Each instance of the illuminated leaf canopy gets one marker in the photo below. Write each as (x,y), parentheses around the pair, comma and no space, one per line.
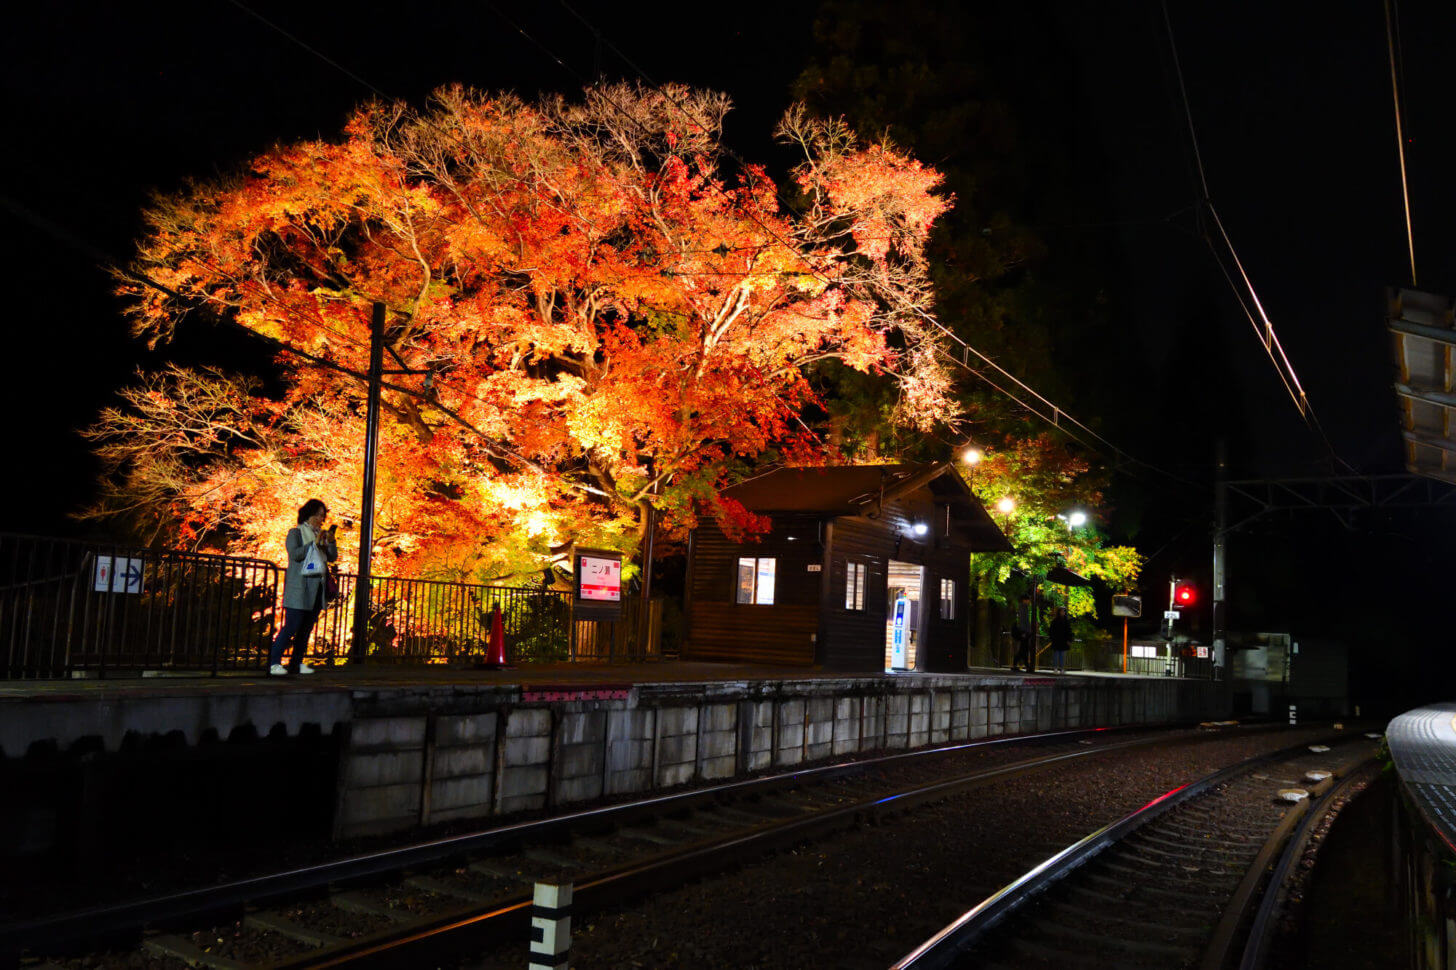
(609,312)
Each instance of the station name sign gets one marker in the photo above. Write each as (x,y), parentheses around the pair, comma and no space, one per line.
(597,593)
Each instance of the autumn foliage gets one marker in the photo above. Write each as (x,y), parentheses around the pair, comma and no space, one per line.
(590,308)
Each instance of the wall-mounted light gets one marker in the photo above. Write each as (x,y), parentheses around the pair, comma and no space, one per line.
(920,528)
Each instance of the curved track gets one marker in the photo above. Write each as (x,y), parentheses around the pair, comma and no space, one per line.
(1176,884)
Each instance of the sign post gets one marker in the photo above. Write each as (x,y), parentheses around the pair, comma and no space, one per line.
(1126,606)
(596,589)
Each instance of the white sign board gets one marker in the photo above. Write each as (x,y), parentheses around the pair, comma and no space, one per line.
(118,574)
(1171,614)
(601,579)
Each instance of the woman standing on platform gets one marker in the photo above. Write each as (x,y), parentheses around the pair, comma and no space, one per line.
(310,550)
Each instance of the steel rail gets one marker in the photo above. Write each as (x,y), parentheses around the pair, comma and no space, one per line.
(1261,930)
(945,947)
(128,919)
(464,932)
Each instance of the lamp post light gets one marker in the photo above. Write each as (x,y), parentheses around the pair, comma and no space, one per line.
(1007,505)
(971,456)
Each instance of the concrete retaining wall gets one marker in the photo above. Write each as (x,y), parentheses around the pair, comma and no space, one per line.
(413,758)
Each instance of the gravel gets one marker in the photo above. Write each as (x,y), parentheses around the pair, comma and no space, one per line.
(866,897)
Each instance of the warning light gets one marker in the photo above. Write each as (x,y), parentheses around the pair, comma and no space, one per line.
(1185,595)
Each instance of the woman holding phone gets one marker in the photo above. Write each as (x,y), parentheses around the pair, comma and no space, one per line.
(310,550)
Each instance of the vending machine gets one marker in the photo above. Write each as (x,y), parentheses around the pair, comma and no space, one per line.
(900,625)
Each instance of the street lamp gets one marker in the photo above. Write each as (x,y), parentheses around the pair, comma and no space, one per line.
(1006,506)
(971,456)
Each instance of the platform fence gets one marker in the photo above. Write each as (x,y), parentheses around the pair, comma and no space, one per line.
(70,607)
(425,621)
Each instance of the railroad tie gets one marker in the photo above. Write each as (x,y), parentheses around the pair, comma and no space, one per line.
(551,927)
(190,953)
(291,929)
(356,902)
(443,888)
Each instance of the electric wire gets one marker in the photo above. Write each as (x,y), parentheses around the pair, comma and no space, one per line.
(1266,334)
(1058,418)
(1410,238)
(1117,455)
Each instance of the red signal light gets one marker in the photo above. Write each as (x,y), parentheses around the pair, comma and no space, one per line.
(1185,595)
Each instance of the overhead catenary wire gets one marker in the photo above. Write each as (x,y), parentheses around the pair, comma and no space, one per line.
(1057,414)
(1390,43)
(1267,336)
(1057,417)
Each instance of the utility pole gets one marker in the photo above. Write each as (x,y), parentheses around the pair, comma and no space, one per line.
(359,647)
(644,621)
(1220,559)
(1170,618)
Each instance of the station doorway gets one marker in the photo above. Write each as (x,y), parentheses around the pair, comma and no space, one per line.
(902,615)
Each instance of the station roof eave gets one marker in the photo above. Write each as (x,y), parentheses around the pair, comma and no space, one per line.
(1423,340)
(837,490)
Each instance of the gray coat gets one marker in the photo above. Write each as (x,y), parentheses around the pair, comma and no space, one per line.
(302,592)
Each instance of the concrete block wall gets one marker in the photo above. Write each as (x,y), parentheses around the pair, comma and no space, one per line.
(718,741)
(462,776)
(380,780)
(629,745)
(435,757)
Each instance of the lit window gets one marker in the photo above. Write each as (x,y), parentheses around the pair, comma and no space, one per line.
(1143,650)
(756,580)
(947,599)
(854,587)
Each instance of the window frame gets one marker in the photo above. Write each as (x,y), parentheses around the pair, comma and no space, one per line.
(756,589)
(856,581)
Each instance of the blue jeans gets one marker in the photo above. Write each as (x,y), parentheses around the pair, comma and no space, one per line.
(297,625)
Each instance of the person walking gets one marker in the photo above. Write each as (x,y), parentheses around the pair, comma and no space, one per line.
(310,550)
(1022,630)
(1060,635)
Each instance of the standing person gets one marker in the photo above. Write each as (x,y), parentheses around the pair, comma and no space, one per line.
(1060,634)
(1022,630)
(310,550)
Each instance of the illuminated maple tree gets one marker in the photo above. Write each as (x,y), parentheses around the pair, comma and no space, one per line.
(591,309)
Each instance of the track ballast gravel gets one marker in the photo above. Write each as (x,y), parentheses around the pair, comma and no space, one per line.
(868,896)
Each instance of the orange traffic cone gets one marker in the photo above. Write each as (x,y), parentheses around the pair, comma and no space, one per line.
(495,654)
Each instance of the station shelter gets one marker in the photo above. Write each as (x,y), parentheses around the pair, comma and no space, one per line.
(864,568)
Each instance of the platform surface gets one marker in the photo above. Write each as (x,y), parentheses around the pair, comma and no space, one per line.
(1423,746)
(384,676)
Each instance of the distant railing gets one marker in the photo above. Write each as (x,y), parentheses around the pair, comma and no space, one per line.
(416,621)
(68,606)
(1177,666)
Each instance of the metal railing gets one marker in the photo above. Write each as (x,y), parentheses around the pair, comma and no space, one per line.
(414,621)
(68,606)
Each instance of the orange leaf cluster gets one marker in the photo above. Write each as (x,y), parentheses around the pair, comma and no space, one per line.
(607,313)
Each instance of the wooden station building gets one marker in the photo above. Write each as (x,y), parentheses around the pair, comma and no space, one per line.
(865,568)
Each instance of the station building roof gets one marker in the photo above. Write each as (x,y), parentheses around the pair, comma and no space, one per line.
(863,490)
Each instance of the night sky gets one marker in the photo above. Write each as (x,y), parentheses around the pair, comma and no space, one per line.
(1293,114)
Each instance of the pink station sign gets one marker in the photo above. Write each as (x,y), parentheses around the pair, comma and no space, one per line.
(601,579)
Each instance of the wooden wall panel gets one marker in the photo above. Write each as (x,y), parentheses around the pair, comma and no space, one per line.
(721,629)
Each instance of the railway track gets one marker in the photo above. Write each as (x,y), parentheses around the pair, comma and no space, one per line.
(457,895)
(1194,879)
